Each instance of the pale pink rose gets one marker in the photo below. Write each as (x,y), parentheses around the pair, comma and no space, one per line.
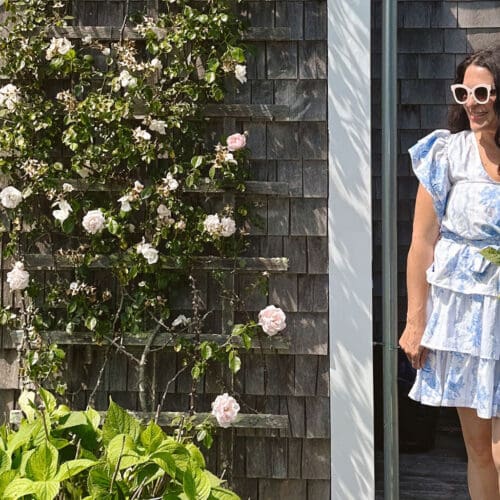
(227,227)
(225,409)
(93,222)
(236,141)
(18,278)
(272,320)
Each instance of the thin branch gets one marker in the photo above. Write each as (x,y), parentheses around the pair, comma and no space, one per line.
(164,395)
(142,369)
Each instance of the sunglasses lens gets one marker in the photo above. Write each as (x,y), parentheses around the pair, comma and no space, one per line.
(481,94)
(460,94)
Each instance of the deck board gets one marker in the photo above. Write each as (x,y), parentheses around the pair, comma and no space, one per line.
(436,474)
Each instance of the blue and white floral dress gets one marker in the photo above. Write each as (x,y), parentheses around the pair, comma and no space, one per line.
(463,326)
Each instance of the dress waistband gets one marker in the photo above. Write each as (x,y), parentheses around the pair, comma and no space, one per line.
(492,241)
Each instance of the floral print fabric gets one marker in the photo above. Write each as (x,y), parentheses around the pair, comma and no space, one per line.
(463,327)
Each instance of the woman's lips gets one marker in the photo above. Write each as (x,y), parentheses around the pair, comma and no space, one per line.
(477,116)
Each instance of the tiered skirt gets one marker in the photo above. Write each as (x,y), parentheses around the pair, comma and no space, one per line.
(462,367)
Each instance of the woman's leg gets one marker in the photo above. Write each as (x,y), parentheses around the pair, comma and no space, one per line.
(495,446)
(481,471)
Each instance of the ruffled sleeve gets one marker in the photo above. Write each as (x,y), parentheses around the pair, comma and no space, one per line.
(429,158)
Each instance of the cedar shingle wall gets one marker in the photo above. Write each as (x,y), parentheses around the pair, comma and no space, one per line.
(291,148)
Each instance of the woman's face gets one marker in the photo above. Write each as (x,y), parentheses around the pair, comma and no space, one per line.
(482,117)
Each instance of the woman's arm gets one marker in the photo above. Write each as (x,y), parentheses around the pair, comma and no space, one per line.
(420,256)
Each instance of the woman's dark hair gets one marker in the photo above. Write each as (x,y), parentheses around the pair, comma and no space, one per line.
(489,59)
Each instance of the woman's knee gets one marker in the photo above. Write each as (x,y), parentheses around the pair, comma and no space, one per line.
(477,435)
(479,450)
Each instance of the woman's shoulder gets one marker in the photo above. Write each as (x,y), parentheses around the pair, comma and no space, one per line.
(443,141)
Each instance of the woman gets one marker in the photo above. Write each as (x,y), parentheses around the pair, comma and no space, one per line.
(452,333)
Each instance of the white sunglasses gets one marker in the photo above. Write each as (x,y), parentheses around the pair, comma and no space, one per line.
(481,93)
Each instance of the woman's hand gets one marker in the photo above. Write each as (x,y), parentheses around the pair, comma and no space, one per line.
(410,343)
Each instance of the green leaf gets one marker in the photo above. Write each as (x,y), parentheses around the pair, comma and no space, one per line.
(213,479)
(48,399)
(68,225)
(93,417)
(234,361)
(197,161)
(118,421)
(42,465)
(166,461)
(210,76)
(23,435)
(26,402)
(18,488)
(113,226)
(206,350)
(5,461)
(90,323)
(99,481)
(196,455)
(5,479)
(46,490)
(74,419)
(247,340)
(238,55)
(72,468)
(121,452)
(189,485)
(492,254)
(219,493)
(202,483)
(152,437)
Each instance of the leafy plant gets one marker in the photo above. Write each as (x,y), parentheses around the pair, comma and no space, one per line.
(59,453)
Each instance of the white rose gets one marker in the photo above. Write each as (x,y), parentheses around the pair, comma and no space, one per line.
(57,46)
(64,46)
(67,187)
(225,409)
(156,64)
(63,212)
(163,212)
(93,222)
(148,252)
(240,73)
(124,78)
(106,51)
(125,201)
(180,320)
(211,224)
(227,227)
(170,182)
(272,320)
(18,278)
(180,225)
(158,126)
(9,97)
(10,197)
(141,134)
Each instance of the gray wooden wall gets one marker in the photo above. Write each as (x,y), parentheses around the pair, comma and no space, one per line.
(288,70)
